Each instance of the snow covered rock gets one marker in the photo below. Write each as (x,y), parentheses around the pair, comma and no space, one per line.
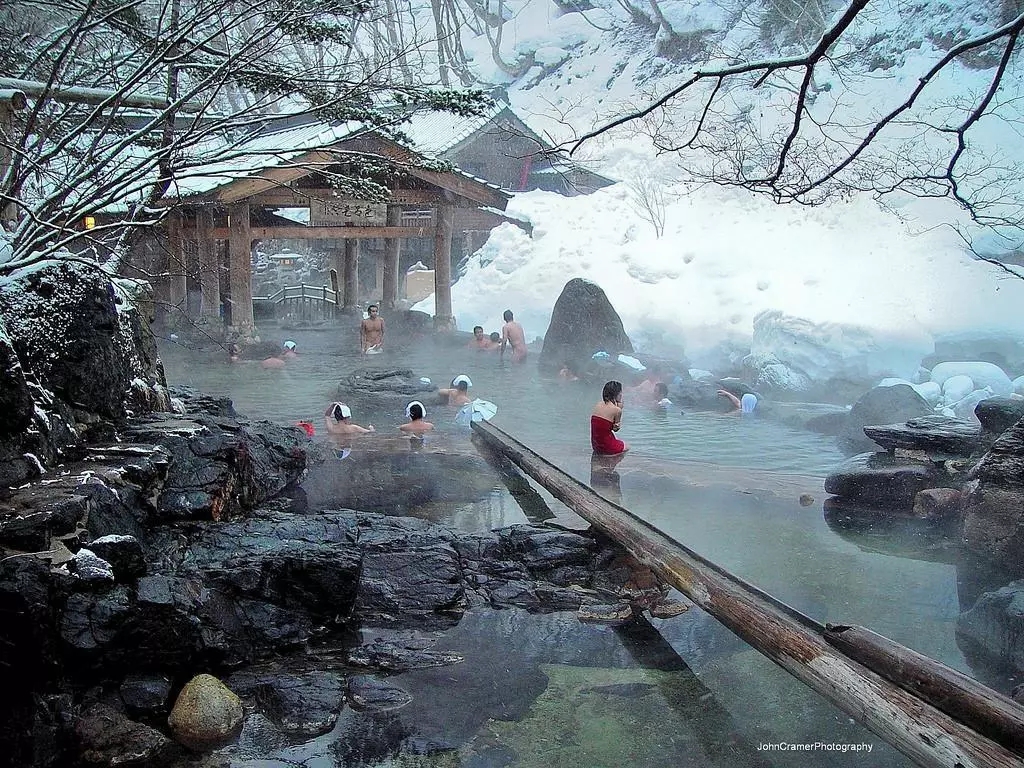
(956,388)
(981,373)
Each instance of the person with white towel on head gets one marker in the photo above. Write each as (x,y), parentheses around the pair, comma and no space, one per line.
(338,421)
(458,393)
(415,412)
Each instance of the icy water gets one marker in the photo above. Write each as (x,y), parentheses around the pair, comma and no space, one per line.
(545,690)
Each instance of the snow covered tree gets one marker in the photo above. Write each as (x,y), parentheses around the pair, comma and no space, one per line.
(124,97)
(880,96)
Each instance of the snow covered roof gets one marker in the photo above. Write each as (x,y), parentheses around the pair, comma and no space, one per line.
(431,133)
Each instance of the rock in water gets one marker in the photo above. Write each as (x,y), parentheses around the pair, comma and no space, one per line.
(583,322)
(206,715)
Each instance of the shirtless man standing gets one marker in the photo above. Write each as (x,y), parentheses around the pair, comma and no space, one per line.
(371,331)
(513,335)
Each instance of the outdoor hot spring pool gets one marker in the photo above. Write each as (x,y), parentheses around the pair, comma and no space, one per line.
(727,487)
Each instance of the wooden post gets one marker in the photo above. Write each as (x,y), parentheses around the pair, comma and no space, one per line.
(923,733)
(240,269)
(392,254)
(351,274)
(443,268)
(177,280)
(209,269)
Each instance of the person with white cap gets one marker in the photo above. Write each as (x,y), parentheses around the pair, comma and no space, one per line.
(458,393)
(338,421)
(289,349)
(416,424)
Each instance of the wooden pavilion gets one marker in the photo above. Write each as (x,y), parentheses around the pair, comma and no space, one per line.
(236,202)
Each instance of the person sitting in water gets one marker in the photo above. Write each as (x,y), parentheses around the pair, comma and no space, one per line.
(566,373)
(458,394)
(234,352)
(745,404)
(371,331)
(289,350)
(480,342)
(415,413)
(660,396)
(338,421)
(275,361)
(605,421)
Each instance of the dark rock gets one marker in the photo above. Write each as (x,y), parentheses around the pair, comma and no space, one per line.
(884,480)
(124,553)
(108,738)
(882,405)
(146,695)
(937,503)
(542,550)
(65,326)
(583,322)
(385,389)
(403,586)
(938,436)
(995,624)
(304,705)
(827,423)
(393,656)
(196,402)
(695,395)
(1003,463)
(367,694)
(998,414)
(29,519)
(1018,694)
(16,403)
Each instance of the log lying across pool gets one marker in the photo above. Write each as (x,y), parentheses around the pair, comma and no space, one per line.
(894,710)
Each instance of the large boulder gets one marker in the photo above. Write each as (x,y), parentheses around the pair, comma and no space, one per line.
(206,715)
(880,405)
(583,322)
(994,503)
(880,479)
(938,436)
(16,403)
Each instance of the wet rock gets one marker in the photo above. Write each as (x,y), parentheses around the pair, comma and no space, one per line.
(206,714)
(615,615)
(402,586)
(937,504)
(145,695)
(937,436)
(260,736)
(583,322)
(124,553)
(400,657)
(90,568)
(994,503)
(385,389)
(880,479)
(108,738)
(28,519)
(995,624)
(543,550)
(367,694)
(304,705)
(882,405)
(998,414)
(196,402)
(1018,694)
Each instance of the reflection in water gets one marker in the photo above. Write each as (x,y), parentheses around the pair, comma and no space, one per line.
(603,477)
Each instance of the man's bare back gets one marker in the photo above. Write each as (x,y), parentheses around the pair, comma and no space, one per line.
(512,333)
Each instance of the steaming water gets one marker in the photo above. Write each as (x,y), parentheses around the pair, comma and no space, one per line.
(727,487)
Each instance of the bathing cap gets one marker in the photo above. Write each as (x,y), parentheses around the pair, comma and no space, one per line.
(748,402)
(290,344)
(460,378)
(346,412)
(409,408)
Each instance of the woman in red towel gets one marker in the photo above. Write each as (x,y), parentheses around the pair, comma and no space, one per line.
(605,421)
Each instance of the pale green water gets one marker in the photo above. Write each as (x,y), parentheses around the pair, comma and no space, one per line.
(725,486)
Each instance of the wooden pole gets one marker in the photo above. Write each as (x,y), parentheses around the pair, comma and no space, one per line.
(986,711)
(392,254)
(209,268)
(177,278)
(443,267)
(351,274)
(923,733)
(240,269)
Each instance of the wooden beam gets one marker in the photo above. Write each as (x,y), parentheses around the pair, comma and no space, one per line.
(923,733)
(299,232)
(986,711)
(209,267)
(351,273)
(240,268)
(288,197)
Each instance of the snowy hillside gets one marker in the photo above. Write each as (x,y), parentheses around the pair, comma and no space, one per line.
(845,288)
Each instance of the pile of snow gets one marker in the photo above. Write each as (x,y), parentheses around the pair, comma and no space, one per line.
(840,289)
(955,388)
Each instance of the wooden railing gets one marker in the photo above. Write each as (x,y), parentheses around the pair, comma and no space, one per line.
(305,303)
